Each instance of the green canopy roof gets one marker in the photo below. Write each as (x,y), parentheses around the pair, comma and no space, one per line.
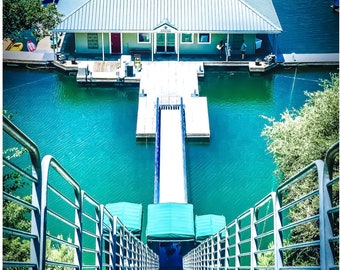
(170,222)
(207,225)
(128,213)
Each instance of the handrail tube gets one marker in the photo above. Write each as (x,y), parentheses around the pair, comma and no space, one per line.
(62,219)
(20,233)
(60,195)
(19,170)
(333,181)
(330,158)
(297,201)
(89,217)
(90,233)
(301,245)
(157,153)
(299,222)
(8,264)
(12,198)
(61,241)
(314,166)
(264,219)
(333,210)
(265,234)
(48,262)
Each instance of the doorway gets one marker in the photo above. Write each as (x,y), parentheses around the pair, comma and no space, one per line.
(165,43)
(116,43)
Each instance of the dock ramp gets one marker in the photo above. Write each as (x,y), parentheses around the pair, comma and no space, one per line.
(170,161)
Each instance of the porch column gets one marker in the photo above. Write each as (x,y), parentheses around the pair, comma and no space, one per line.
(226,48)
(103,47)
(178,35)
(152,46)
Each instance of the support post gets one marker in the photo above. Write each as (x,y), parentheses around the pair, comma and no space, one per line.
(325,204)
(152,46)
(178,35)
(277,234)
(226,48)
(103,47)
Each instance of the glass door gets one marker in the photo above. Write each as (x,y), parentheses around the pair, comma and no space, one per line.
(166,43)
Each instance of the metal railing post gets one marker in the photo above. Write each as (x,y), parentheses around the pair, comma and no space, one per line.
(277,233)
(325,200)
(253,234)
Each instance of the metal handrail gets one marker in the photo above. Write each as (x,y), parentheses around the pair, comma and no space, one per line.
(231,257)
(78,217)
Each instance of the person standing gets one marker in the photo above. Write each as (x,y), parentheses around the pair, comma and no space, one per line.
(243,49)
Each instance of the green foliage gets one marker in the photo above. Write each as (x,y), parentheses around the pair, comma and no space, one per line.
(57,252)
(297,139)
(302,136)
(21,15)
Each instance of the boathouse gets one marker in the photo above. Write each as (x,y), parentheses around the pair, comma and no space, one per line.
(191,27)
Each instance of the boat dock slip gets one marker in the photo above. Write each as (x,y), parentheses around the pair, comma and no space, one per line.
(169,81)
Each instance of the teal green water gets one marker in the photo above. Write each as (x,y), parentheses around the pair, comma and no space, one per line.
(91,131)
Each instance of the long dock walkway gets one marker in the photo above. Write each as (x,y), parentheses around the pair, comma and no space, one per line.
(169,81)
(172,168)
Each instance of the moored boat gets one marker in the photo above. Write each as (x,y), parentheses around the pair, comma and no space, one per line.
(335,5)
(17,46)
(31,46)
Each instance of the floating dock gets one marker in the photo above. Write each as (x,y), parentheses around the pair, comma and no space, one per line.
(310,59)
(170,81)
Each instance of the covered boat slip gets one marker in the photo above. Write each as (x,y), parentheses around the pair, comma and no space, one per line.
(130,214)
(170,222)
(207,225)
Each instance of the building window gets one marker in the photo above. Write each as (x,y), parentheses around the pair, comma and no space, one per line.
(143,38)
(186,38)
(92,41)
(203,38)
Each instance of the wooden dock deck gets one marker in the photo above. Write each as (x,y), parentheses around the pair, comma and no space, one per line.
(169,81)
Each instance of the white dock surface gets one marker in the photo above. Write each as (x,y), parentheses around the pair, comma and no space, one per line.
(172,179)
(170,81)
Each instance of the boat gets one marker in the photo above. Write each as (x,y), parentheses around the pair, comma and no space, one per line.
(335,5)
(31,46)
(17,47)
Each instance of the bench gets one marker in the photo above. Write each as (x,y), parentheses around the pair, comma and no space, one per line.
(139,51)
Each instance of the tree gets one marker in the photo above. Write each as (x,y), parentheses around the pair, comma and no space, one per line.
(302,136)
(21,15)
(296,140)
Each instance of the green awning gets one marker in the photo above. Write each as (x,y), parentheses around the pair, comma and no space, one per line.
(207,225)
(170,222)
(130,214)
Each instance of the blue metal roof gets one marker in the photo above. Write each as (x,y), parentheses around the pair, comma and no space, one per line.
(233,16)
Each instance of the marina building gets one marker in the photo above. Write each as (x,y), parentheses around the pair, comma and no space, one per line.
(191,27)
